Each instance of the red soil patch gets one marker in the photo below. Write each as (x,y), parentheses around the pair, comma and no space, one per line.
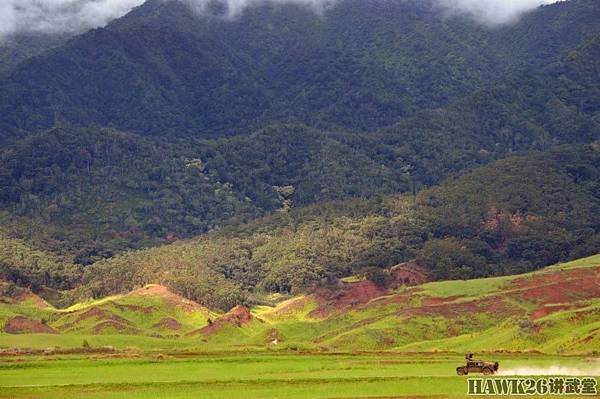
(492,305)
(240,315)
(553,292)
(408,274)
(26,295)
(23,325)
(94,313)
(360,293)
(546,310)
(352,295)
(169,323)
(170,297)
(114,324)
(559,287)
(237,317)
(292,307)
(434,301)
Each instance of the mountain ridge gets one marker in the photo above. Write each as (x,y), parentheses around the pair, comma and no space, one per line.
(358,136)
(381,82)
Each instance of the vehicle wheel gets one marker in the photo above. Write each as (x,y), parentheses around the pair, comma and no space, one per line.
(460,371)
(488,371)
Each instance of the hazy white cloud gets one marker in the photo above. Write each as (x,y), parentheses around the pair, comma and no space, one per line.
(51,16)
(236,7)
(489,12)
(492,12)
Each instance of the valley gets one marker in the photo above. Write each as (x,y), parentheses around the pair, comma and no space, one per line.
(357,341)
(297,199)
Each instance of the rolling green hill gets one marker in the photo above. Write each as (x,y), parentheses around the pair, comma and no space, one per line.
(553,310)
(523,312)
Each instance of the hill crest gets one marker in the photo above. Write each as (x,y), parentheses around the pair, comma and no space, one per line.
(551,310)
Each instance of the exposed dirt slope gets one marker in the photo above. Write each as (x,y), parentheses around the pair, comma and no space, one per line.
(236,317)
(24,325)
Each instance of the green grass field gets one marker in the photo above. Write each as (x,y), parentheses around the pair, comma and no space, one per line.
(253,375)
(405,343)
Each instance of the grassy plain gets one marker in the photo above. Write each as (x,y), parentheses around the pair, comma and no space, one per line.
(253,375)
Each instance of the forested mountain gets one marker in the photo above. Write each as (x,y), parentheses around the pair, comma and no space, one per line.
(163,70)
(359,136)
(94,192)
(89,193)
(19,48)
(512,216)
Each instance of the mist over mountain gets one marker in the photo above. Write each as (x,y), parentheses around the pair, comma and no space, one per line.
(75,16)
(59,16)
(21,47)
(494,12)
(361,65)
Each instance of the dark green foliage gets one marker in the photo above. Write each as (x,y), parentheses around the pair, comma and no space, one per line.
(362,65)
(521,212)
(212,290)
(27,267)
(449,259)
(514,215)
(91,193)
(319,120)
(198,273)
(376,275)
(320,166)
(19,48)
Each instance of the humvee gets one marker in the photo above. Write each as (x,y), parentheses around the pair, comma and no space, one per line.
(477,366)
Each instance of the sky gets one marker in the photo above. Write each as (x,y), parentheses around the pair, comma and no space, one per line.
(57,16)
(60,16)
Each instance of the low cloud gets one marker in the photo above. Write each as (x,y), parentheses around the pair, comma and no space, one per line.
(59,16)
(492,12)
(488,12)
(73,16)
(233,8)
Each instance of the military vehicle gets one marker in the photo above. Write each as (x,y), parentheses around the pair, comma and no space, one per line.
(477,366)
